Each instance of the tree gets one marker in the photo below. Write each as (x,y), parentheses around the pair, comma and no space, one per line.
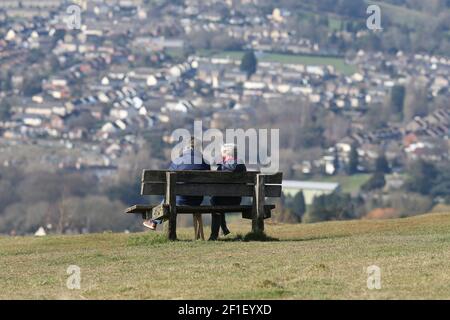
(310,135)
(35,56)
(377,116)
(409,204)
(299,205)
(441,185)
(54,63)
(200,39)
(382,165)
(6,81)
(96,214)
(422,176)
(415,103)
(8,194)
(223,42)
(32,85)
(5,110)
(377,181)
(249,63)
(353,160)
(127,193)
(335,206)
(336,162)
(397,99)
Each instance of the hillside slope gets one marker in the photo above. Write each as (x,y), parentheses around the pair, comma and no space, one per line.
(318,261)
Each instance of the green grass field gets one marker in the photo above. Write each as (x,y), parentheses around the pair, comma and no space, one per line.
(349,184)
(338,63)
(314,261)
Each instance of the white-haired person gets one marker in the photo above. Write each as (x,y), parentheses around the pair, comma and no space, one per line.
(229,163)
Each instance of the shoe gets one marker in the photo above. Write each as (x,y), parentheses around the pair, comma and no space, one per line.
(150,224)
(226,232)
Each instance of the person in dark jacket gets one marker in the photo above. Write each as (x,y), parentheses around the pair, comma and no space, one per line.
(191,159)
(229,163)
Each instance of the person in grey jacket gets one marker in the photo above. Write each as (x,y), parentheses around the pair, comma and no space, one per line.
(189,160)
(229,163)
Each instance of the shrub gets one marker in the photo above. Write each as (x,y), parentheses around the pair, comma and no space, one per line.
(335,206)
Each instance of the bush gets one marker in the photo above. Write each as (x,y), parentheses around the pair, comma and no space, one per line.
(297,205)
(410,204)
(377,181)
(96,214)
(334,206)
(249,63)
(422,176)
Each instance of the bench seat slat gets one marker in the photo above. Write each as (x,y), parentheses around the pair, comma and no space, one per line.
(198,189)
(140,208)
(207,209)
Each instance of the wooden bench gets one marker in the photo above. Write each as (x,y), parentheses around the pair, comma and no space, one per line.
(210,183)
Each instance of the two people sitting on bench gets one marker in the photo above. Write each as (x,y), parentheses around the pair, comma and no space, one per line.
(229,163)
(193,160)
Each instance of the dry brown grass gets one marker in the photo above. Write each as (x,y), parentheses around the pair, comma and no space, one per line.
(317,261)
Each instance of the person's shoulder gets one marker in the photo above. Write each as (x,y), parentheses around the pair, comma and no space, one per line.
(173,166)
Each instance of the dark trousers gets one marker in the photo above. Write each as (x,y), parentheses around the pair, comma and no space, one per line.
(218,221)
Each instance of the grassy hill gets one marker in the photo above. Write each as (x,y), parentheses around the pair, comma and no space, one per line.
(318,261)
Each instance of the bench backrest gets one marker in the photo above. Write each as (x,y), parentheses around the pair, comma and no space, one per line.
(211,183)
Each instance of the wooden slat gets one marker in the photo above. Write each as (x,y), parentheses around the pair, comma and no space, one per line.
(201,176)
(275,178)
(195,189)
(140,208)
(218,177)
(207,209)
(154,176)
(248,214)
(221,209)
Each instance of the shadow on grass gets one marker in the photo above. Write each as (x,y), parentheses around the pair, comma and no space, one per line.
(251,236)
(312,238)
(160,239)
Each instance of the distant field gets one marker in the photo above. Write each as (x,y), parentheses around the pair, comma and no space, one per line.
(337,63)
(334,24)
(349,184)
(314,261)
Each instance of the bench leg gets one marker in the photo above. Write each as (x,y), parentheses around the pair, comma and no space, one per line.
(258,205)
(257,225)
(172,228)
(171,180)
(195,226)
